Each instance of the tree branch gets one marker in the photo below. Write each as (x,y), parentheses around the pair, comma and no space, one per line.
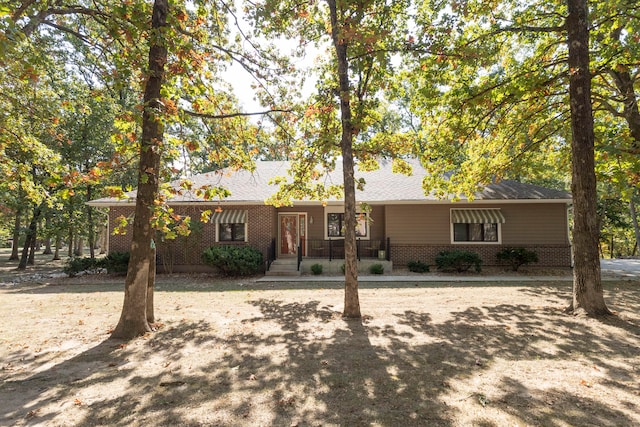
(232,115)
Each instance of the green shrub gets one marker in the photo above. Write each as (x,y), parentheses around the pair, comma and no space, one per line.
(517,257)
(76,265)
(418,266)
(316,269)
(376,269)
(116,262)
(458,260)
(234,260)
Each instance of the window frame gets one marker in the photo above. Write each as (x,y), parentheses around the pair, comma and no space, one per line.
(339,210)
(233,240)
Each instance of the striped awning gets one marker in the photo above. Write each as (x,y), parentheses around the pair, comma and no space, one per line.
(477,216)
(229,216)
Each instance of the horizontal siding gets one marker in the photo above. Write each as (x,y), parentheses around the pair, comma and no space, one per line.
(414,224)
(533,223)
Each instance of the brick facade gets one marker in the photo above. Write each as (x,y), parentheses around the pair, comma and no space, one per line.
(185,253)
(548,255)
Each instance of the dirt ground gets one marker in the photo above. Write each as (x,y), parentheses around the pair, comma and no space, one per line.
(246,353)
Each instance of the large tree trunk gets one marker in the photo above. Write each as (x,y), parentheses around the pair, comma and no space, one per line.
(15,248)
(133,320)
(587,282)
(30,239)
(351,300)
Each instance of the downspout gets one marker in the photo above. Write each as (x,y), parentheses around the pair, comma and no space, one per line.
(569,208)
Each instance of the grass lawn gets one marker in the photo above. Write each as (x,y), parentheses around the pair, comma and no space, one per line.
(241,353)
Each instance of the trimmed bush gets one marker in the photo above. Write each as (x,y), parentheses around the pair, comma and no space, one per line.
(376,269)
(78,265)
(418,266)
(316,269)
(234,260)
(516,257)
(458,261)
(116,262)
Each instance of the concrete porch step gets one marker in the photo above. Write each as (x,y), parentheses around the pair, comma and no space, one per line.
(284,267)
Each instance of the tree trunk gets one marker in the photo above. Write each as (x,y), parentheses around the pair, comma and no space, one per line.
(32,249)
(47,228)
(30,239)
(625,85)
(634,218)
(56,250)
(15,248)
(91,235)
(79,246)
(70,248)
(587,282)
(351,300)
(133,320)
(151,318)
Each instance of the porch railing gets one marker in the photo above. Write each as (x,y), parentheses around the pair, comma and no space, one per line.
(271,253)
(334,248)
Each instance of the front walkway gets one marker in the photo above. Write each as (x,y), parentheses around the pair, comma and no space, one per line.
(612,269)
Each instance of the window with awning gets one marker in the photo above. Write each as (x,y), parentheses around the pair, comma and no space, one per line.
(230,216)
(476,225)
(231,225)
(477,216)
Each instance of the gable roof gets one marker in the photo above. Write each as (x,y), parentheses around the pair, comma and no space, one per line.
(382,186)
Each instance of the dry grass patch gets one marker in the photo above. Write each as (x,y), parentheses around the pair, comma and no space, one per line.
(262,354)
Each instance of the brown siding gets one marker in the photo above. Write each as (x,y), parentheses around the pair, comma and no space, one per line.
(418,224)
(419,232)
(535,224)
(525,224)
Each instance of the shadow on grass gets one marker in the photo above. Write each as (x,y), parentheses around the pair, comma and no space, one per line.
(209,284)
(299,363)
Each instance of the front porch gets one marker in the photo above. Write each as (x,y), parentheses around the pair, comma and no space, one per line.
(330,254)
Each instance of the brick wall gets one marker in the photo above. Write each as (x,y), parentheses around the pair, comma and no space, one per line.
(185,253)
(549,255)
